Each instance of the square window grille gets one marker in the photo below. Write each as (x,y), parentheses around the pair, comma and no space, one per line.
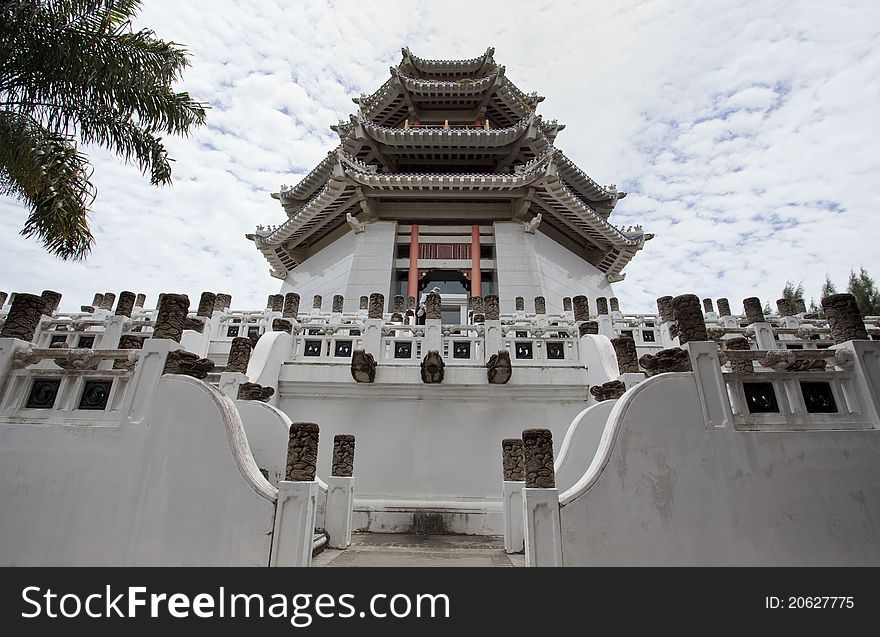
(43,393)
(312,348)
(85,342)
(343,348)
(232,331)
(403,349)
(555,351)
(58,338)
(648,336)
(818,397)
(628,333)
(95,394)
(524,350)
(461,349)
(761,398)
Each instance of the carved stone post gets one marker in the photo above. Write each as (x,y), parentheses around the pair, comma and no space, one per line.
(239,355)
(206,304)
(511,496)
(512,459)
(364,303)
(615,304)
(302,452)
(708,308)
(97,300)
(602,306)
(492,307)
(566,304)
(23,317)
(398,304)
(281,325)
(433,306)
(520,304)
(754,313)
(340,493)
(739,344)
(844,318)
(125,305)
(581,308)
(317,300)
(291,305)
(627,357)
(343,456)
(338,301)
(799,306)
(377,306)
(723,307)
(140,300)
(276,302)
(664,308)
(171,317)
(128,341)
(108,300)
(689,318)
(538,454)
(52,300)
(540,305)
(588,327)
(783,306)
(476,303)
(223,302)
(541,523)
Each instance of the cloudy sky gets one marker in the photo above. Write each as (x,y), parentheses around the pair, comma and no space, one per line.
(745,133)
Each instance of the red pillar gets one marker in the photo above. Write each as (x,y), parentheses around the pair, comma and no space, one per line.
(476,276)
(412,287)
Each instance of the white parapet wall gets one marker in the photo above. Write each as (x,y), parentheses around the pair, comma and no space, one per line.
(666,489)
(178,488)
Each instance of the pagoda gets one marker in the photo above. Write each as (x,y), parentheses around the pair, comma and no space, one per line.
(447,177)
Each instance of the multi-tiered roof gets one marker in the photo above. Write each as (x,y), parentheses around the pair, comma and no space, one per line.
(450,132)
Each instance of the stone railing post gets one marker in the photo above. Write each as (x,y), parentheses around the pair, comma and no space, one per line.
(291,306)
(758,325)
(627,356)
(542,528)
(494,336)
(668,329)
(338,302)
(53,300)
(844,318)
(727,320)
(511,493)
(433,328)
(606,324)
(519,304)
(689,319)
(340,492)
(372,340)
(296,507)
(24,316)
(235,373)
(709,310)
(173,309)
(139,300)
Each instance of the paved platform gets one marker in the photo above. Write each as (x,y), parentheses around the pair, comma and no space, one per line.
(389,549)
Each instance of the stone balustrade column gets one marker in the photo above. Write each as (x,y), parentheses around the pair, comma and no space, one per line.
(343,456)
(520,304)
(588,327)
(291,305)
(754,313)
(602,306)
(492,308)
(800,306)
(282,325)
(398,305)
(108,300)
(433,306)
(24,316)
(581,308)
(377,306)
(538,459)
(97,300)
(784,308)
(140,300)
(173,309)
(276,302)
(125,305)
(338,302)
(364,303)
(664,308)
(689,318)
(52,300)
(739,344)
(239,355)
(615,304)
(207,301)
(566,304)
(223,302)
(627,356)
(317,301)
(723,307)
(708,308)
(479,313)
(540,305)
(512,459)
(302,452)
(844,318)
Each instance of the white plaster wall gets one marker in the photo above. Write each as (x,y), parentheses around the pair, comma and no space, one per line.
(530,265)
(180,489)
(662,490)
(354,265)
(580,443)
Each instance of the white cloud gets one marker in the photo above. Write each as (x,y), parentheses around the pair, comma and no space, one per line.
(743,132)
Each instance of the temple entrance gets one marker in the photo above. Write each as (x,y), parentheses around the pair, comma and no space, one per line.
(454,289)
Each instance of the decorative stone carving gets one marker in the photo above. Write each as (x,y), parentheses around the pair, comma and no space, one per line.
(364,303)
(739,344)
(291,305)
(302,452)
(280,325)
(87,308)
(187,363)
(538,454)
(128,341)
(239,355)
(566,304)
(476,307)
(432,367)
(377,306)
(723,307)
(410,304)
(3,297)
(520,304)
(784,360)
(492,307)
(499,369)
(363,366)
(664,308)
(673,359)
(799,305)
(52,300)
(581,307)
(752,307)
(23,317)
(223,302)
(171,317)
(602,306)
(540,305)
(193,323)
(317,300)
(615,304)
(126,303)
(844,318)
(357,226)
(338,301)
(512,459)
(97,299)
(108,300)
(432,306)
(253,391)
(140,300)
(612,390)
(627,357)
(707,306)
(276,302)
(79,359)
(784,308)
(399,303)
(689,318)
(207,301)
(343,456)
(588,327)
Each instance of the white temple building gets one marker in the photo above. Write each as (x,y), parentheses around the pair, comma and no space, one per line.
(445,355)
